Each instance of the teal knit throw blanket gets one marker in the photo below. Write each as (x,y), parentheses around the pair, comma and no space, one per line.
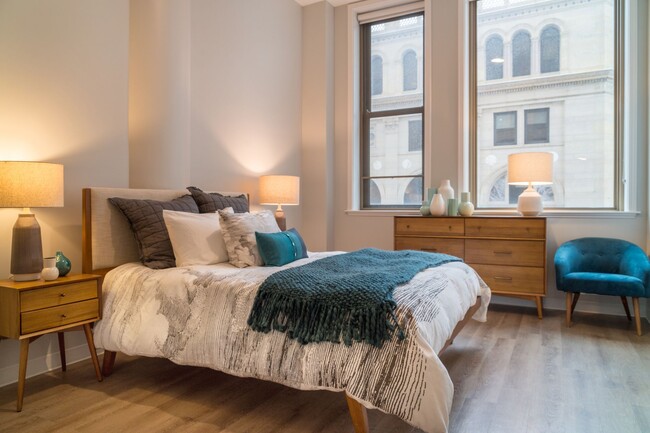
(347,297)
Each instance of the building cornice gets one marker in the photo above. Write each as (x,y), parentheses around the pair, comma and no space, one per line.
(537,83)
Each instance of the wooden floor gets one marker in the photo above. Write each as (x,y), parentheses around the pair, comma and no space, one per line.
(513,374)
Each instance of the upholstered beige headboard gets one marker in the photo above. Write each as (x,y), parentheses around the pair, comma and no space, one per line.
(107,238)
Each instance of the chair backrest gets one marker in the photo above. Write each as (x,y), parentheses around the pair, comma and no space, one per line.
(598,254)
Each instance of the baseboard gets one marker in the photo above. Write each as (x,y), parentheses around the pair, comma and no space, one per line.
(43,364)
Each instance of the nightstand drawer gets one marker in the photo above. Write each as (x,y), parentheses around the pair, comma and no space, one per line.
(53,317)
(530,228)
(494,252)
(512,279)
(58,295)
(429,226)
(455,247)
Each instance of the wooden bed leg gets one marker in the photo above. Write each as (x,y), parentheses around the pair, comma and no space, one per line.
(109,362)
(358,414)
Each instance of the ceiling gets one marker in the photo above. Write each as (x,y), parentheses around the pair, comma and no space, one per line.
(332,2)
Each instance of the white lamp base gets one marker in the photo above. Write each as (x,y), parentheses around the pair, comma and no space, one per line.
(280,218)
(530,202)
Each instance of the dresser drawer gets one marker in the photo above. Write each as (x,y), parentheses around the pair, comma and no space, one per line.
(57,295)
(531,228)
(53,317)
(512,279)
(455,247)
(495,252)
(429,226)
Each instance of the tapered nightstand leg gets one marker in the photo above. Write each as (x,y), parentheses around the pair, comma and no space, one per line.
(22,372)
(62,350)
(93,351)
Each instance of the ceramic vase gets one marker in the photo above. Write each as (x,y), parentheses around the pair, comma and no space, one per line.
(62,264)
(446,190)
(49,272)
(465,208)
(424,210)
(438,205)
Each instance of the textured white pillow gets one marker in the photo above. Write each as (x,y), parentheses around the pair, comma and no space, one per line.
(196,238)
(239,233)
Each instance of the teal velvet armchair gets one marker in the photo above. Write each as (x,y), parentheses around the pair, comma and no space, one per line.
(603,266)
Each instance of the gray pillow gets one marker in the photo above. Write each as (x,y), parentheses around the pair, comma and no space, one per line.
(148,226)
(239,235)
(212,202)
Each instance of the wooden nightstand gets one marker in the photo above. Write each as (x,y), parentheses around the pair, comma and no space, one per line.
(33,308)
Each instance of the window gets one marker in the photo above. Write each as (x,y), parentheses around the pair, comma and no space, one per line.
(377,75)
(410,70)
(505,128)
(391,171)
(494,58)
(521,54)
(586,100)
(549,50)
(536,130)
(415,135)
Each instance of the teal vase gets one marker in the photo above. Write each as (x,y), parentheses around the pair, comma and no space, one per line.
(62,263)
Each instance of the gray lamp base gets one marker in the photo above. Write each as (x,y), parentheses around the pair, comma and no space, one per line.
(26,249)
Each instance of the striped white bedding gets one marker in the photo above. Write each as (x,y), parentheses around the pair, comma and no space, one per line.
(197,316)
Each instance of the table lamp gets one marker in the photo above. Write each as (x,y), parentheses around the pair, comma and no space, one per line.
(280,190)
(530,168)
(25,185)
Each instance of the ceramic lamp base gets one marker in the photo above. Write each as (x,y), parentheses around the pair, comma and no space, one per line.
(26,249)
(530,202)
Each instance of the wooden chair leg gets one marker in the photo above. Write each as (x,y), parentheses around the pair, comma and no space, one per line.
(109,362)
(637,316)
(576,296)
(61,336)
(568,308)
(627,307)
(358,414)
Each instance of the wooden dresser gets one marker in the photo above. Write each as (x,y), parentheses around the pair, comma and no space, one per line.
(509,253)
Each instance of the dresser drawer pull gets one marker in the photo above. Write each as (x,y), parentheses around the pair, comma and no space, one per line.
(429,249)
(503,278)
(505,253)
(62,295)
(63,316)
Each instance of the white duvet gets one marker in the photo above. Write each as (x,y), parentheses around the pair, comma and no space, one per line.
(197,316)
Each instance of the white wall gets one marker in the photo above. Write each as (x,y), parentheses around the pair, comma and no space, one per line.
(246,98)
(355,231)
(63,81)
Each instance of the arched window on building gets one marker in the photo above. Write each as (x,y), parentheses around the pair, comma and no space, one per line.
(410,70)
(494,58)
(377,75)
(502,193)
(521,54)
(549,50)
(413,192)
(375,195)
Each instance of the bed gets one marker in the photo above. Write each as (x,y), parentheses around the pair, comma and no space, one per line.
(197,315)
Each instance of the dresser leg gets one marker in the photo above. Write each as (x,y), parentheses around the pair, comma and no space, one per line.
(22,372)
(62,350)
(540,307)
(93,351)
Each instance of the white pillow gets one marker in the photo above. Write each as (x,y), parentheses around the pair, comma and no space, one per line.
(239,233)
(196,237)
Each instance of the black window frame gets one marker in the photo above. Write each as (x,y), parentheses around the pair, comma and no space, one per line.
(528,130)
(367,115)
(495,135)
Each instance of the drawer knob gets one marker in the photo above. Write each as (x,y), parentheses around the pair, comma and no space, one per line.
(503,278)
(63,316)
(62,295)
(408,226)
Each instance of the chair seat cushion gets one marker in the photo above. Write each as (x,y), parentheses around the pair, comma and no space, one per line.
(603,284)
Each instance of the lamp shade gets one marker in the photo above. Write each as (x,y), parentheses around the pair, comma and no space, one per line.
(31,184)
(530,167)
(284,190)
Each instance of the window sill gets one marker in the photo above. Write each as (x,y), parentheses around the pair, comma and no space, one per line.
(555,213)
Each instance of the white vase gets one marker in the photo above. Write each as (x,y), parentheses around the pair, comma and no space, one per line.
(50,271)
(446,190)
(438,205)
(465,208)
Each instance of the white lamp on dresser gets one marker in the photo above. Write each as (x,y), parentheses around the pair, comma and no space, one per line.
(530,168)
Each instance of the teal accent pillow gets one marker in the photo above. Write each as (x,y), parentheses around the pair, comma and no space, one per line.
(277,249)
